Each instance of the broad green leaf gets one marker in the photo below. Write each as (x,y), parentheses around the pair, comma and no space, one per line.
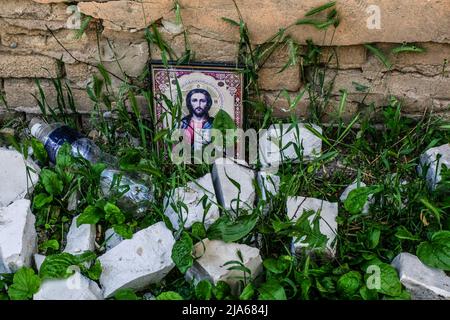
(368,294)
(90,215)
(229,231)
(169,295)
(198,230)
(25,284)
(436,253)
(390,283)
(51,182)
(95,271)
(357,198)
(349,283)
(41,200)
(248,292)
(221,290)
(123,230)
(271,290)
(53,244)
(39,151)
(182,253)
(63,265)
(125,294)
(277,265)
(223,121)
(203,290)
(373,238)
(113,214)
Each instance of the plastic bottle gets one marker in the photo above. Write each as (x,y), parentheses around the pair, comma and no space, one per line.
(54,135)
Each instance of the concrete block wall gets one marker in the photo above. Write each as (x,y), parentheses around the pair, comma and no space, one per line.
(29,50)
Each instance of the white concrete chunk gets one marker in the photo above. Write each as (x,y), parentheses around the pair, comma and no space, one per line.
(192,196)
(112,239)
(423,282)
(18,238)
(269,184)
(228,193)
(213,254)
(16,183)
(282,142)
(76,287)
(328,211)
(38,260)
(352,187)
(430,158)
(138,262)
(80,239)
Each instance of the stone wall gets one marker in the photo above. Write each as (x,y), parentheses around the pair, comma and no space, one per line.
(37,41)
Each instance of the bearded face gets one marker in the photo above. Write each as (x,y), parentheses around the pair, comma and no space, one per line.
(199,105)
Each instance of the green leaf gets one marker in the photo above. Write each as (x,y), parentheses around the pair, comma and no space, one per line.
(230,231)
(60,266)
(320,8)
(95,271)
(125,294)
(203,290)
(403,234)
(90,215)
(279,265)
(223,121)
(113,214)
(373,238)
(123,230)
(51,182)
(390,283)
(169,295)
(357,198)
(379,54)
(25,284)
(408,48)
(248,292)
(436,253)
(230,21)
(368,294)
(198,230)
(41,200)
(53,244)
(221,290)
(39,150)
(271,290)
(130,159)
(349,283)
(182,252)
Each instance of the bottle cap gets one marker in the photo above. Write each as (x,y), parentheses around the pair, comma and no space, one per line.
(35,126)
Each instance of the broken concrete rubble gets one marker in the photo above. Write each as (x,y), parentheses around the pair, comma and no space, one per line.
(138,262)
(423,282)
(197,196)
(433,161)
(226,174)
(297,206)
(212,256)
(20,179)
(289,142)
(18,236)
(80,239)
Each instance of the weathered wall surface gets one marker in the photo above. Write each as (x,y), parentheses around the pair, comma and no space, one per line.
(36,34)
